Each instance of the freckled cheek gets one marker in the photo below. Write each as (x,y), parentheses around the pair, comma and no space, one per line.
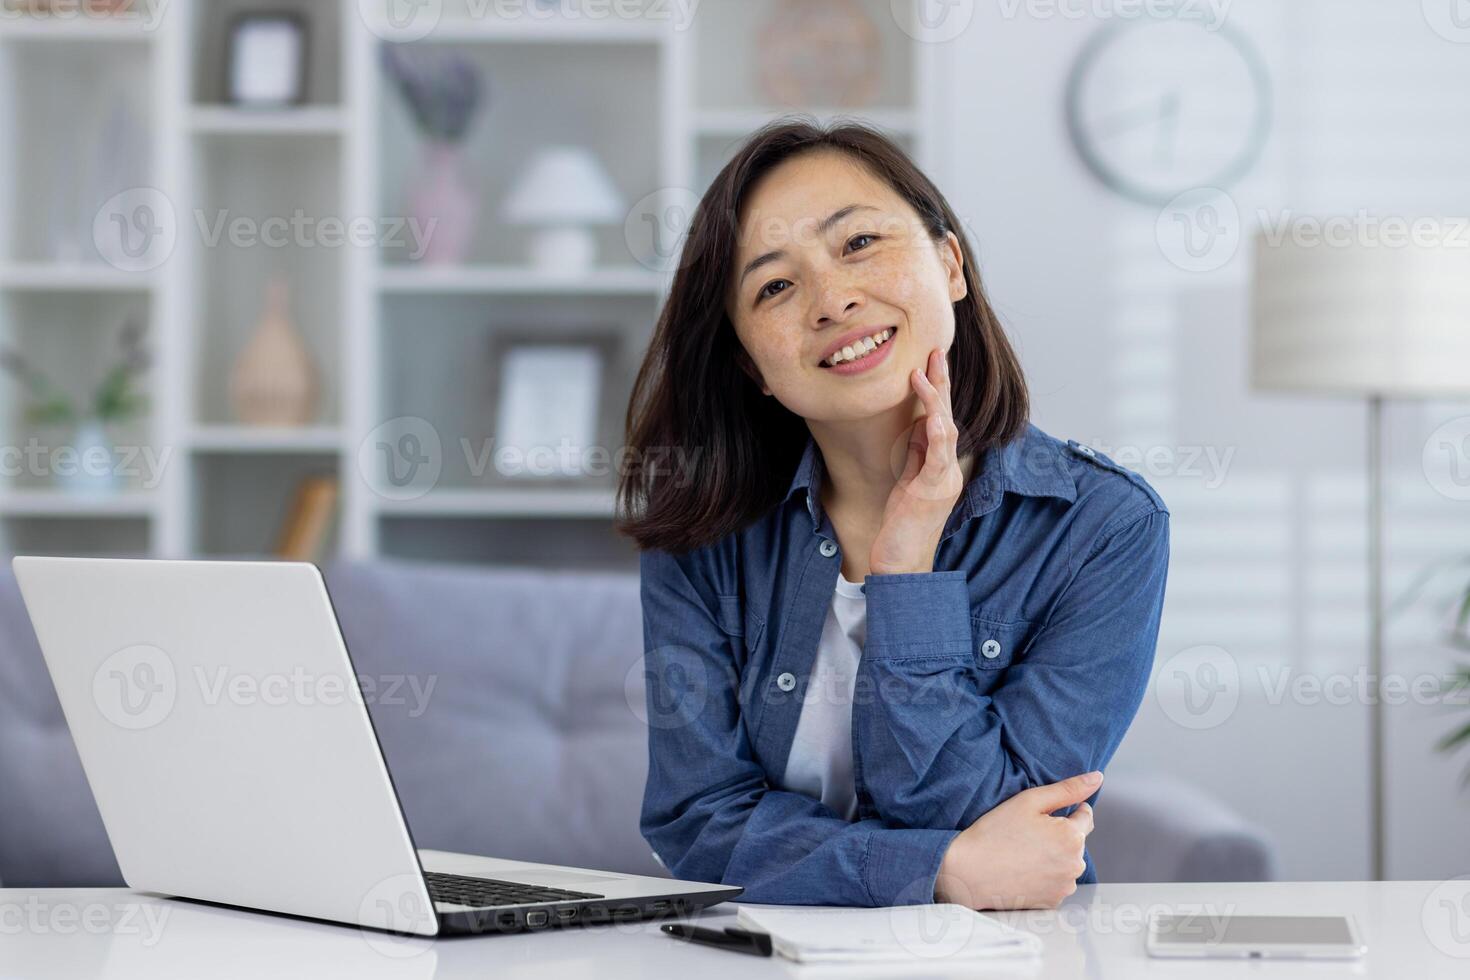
(777,351)
(900,281)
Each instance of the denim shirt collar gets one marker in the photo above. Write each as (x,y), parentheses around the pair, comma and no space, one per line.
(1029,465)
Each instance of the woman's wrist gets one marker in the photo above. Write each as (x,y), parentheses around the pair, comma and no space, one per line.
(896,570)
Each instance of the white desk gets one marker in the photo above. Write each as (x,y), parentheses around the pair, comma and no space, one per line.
(1414,930)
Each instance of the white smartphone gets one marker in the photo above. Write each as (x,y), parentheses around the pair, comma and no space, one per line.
(1202,935)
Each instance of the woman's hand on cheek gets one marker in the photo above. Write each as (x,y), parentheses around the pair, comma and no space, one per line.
(925,493)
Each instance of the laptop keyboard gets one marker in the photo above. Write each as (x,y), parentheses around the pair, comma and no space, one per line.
(490,892)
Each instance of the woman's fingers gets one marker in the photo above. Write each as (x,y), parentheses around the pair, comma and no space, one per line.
(938,376)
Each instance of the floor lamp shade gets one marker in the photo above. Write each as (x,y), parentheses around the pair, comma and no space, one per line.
(1363,318)
(1374,320)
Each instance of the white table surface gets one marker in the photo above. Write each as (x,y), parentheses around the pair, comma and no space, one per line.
(1414,930)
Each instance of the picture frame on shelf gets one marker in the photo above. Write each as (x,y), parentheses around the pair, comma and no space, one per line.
(549,397)
(266,59)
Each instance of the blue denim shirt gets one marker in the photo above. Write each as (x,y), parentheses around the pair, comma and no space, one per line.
(1020,660)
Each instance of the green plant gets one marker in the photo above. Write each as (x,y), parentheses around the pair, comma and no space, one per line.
(1459,681)
(114,399)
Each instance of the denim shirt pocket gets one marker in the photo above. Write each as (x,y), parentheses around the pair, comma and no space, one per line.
(997,640)
(737,622)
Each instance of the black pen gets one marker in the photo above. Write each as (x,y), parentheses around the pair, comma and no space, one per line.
(736,940)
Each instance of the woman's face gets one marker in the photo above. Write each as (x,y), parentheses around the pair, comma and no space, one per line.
(812,302)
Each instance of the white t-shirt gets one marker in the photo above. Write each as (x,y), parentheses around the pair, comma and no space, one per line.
(820,764)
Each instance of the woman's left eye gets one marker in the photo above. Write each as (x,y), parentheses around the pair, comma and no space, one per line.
(855,238)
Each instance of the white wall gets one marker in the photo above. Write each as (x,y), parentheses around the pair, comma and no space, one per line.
(1125,349)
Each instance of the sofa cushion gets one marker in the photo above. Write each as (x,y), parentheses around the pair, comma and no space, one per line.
(50,831)
(515,727)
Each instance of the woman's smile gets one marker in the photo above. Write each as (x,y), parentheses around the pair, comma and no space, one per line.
(859,353)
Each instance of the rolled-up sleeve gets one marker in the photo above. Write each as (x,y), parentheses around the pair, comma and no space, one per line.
(708,812)
(1061,709)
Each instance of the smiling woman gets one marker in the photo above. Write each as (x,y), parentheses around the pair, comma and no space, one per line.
(893,632)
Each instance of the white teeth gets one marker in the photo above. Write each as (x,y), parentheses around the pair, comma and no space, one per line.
(859,348)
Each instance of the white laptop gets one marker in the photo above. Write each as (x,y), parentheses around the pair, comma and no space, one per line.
(218,780)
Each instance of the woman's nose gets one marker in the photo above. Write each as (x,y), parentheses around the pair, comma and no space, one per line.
(836,300)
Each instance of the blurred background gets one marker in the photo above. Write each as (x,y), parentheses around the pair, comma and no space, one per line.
(369,281)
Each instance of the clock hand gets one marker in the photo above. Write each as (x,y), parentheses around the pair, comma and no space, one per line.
(1168,128)
(1127,119)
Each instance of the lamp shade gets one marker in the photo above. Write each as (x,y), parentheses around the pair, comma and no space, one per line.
(1363,318)
(564,185)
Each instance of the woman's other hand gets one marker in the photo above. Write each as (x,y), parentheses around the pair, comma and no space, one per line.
(921,501)
(1019,856)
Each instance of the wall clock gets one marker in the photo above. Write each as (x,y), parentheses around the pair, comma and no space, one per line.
(1157,107)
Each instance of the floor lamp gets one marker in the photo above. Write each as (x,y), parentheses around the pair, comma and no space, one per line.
(1373,320)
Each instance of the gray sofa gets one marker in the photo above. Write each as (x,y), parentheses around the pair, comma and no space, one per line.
(528,744)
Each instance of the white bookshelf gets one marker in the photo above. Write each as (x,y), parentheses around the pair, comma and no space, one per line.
(662,104)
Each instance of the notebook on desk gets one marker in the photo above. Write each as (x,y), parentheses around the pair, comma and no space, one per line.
(901,933)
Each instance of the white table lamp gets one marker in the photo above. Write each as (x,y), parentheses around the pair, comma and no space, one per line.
(563,192)
(1374,320)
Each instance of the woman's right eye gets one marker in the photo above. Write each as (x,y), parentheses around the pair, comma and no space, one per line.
(765,290)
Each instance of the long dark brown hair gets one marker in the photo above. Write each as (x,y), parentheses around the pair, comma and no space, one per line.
(696,411)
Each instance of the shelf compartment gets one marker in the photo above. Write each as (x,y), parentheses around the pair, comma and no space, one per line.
(78,29)
(550,501)
(73,277)
(78,124)
(265,439)
(525,542)
(210,46)
(229,120)
(610,281)
(461,28)
(538,93)
(74,535)
(261,181)
(57,503)
(439,364)
(727,49)
(243,499)
(73,339)
(742,122)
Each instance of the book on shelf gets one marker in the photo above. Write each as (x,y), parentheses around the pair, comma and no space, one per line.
(308,522)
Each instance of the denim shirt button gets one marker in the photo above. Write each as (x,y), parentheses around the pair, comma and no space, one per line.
(990,649)
(828,549)
(786,681)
